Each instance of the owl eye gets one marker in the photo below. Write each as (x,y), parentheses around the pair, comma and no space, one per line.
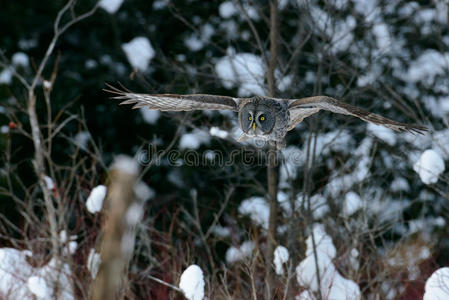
(262,118)
(250,118)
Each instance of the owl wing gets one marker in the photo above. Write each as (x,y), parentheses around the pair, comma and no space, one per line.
(304,107)
(174,102)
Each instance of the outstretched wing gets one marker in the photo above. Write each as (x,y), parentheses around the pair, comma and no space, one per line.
(302,108)
(174,102)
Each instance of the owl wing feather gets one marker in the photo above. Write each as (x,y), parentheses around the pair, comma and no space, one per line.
(304,107)
(174,102)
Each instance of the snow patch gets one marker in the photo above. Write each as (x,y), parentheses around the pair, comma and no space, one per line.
(143,191)
(150,116)
(333,284)
(81,139)
(382,35)
(4,129)
(227,9)
(49,183)
(20,59)
(281,256)
(194,139)
(95,200)
(125,164)
(243,70)
(221,231)
(192,283)
(383,133)
(215,131)
(234,254)
(19,280)
(6,76)
(437,286)
(257,209)
(352,203)
(427,66)
(139,52)
(111,6)
(38,287)
(93,262)
(399,184)
(429,166)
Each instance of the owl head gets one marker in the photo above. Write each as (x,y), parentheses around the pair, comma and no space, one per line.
(257,118)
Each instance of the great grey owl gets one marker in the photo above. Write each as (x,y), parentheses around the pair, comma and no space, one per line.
(259,117)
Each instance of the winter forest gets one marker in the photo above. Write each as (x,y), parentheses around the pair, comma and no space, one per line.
(102,201)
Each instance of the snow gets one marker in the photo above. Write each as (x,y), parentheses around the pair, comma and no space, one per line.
(437,286)
(90,64)
(192,283)
(126,165)
(93,262)
(382,35)
(281,256)
(429,166)
(139,52)
(20,59)
(243,70)
(194,43)
(440,140)
(4,129)
(227,9)
(38,287)
(221,231)
(399,184)
(160,4)
(257,209)
(284,83)
(194,139)
(333,284)
(367,8)
(338,31)
(293,158)
(6,76)
(72,245)
(27,44)
(361,160)
(305,295)
(427,66)
(197,40)
(353,259)
(215,131)
(385,134)
(234,254)
(352,203)
(49,183)
(143,191)
(95,200)
(134,214)
(111,6)
(19,280)
(81,139)
(318,204)
(47,84)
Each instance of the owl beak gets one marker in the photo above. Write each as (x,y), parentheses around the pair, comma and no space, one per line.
(254,126)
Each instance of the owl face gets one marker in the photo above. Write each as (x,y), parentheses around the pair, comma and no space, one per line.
(257,119)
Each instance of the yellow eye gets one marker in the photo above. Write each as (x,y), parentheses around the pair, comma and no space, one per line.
(250,118)
(262,118)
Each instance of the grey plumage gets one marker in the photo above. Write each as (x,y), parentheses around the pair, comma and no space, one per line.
(259,117)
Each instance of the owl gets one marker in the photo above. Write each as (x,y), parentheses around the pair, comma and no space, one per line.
(259,117)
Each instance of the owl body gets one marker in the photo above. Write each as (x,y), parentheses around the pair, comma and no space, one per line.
(259,117)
